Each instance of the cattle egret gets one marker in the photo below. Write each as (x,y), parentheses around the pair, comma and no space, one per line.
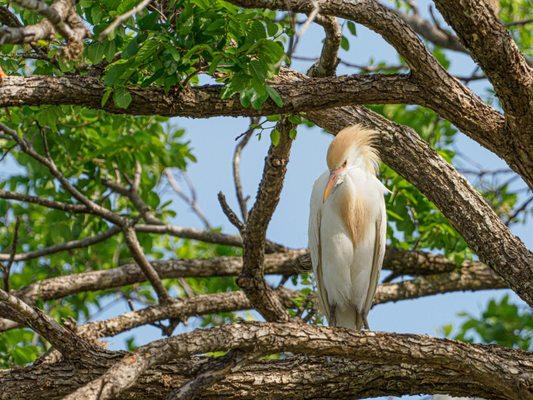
(347,229)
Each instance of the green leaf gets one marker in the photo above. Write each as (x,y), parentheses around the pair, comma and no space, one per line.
(275,136)
(274,95)
(345,44)
(292,134)
(121,97)
(352,28)
(95,52)
(106,95)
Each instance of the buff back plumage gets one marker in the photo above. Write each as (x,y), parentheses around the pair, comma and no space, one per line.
(354,138)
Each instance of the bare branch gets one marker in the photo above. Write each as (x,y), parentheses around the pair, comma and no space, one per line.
(241,199)
(123,17)
(230,214)
(191,201)
(62,339)
(251,279)
(72,208)
(73,244)
(147,268)
(11,260)
(471,278)
(495,51)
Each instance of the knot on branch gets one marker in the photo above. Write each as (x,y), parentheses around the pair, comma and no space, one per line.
(248,282)
(277,162)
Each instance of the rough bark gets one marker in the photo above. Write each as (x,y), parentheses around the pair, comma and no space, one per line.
(251,278)
(506,372)
(448,98)
(294,377)
(493,48)
(399,262)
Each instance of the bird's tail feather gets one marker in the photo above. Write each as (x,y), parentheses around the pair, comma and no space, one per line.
(348,318)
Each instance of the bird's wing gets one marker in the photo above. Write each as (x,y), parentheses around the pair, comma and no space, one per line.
(315,216)
(377,259)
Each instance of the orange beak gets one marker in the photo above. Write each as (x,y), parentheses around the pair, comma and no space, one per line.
(333,177)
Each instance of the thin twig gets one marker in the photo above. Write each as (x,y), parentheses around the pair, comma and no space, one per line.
(7,268)
(190,200)
(143,263)
(232,217)
(121,18)
(74,244)
(241,199)
(519,210)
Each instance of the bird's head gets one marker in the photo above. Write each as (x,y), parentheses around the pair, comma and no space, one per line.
(351,148)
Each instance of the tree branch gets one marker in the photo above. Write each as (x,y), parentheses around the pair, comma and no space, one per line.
(506,372)
(251,278)
(62,339)
(73,244)
(241,199)
(71,208)
(147,268)
(446,278)
(399,262)
(495,51)
(294,376)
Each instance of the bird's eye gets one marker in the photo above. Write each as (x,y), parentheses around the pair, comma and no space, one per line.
(344,164)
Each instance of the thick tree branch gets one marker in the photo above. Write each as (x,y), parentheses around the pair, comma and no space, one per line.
(205,101)
(472,276)
(251,279)
(495,51)
(62,339)
(439,90)
(399,262)
(445,95)
(294,377)
(431,32)
(506,372)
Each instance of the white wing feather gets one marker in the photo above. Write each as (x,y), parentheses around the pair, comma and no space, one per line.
(314,240)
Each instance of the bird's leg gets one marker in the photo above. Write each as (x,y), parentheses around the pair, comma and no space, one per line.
(365,323)
(332,316)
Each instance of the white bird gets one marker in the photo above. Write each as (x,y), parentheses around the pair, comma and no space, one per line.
(347,228)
